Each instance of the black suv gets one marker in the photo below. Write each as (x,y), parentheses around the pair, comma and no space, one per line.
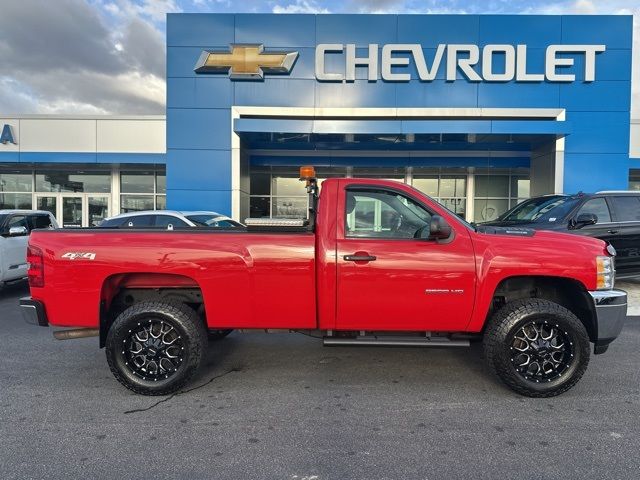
(610,216)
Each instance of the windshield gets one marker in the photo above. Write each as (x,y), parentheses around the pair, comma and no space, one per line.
(2,218)
(550,209)
(212,221)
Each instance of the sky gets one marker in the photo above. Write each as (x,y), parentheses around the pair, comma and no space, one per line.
(108,56)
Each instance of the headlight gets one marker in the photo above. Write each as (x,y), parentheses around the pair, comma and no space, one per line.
(606,272)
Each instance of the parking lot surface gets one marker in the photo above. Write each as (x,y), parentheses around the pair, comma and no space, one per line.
(284,407)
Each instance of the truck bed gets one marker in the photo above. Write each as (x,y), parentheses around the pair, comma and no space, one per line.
(247,279)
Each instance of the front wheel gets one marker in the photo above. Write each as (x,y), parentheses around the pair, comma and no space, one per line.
(536,347)
(154,348)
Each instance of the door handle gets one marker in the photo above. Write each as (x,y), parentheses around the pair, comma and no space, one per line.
(359,258)
(613,232)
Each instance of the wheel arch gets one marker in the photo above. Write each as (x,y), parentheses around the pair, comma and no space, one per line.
(122,290)
(568,292)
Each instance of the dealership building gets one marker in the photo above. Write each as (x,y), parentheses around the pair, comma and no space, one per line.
(478,112)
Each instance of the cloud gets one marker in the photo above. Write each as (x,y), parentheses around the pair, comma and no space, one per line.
(300,6)
(76,63)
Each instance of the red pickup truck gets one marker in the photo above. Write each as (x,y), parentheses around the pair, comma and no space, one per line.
(376,263)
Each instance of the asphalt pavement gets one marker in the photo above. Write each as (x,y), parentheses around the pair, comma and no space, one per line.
(284,407)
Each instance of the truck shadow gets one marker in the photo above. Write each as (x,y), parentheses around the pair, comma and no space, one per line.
(17,290)
(305,360)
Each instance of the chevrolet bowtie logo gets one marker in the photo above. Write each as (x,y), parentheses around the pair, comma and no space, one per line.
(247,62)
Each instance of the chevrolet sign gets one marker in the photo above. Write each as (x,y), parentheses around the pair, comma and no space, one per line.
(251,62)
(454,57)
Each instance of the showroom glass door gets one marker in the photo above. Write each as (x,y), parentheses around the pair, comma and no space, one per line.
(97,207)
(75,210)
(72,211)
(48,203)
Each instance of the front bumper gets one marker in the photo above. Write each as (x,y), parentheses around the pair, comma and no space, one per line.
(33,312)
(611,311)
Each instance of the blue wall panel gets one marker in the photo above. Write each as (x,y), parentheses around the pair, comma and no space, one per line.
(283,31)
(217,200)
(519,95)
(598,132)
(202,92)
(431,30)
(359,29)
(612,30)
(590,172)
(531,30)
(356,94)
(274,91)
(198,129)
(187,30)
(605,96)
(213,167)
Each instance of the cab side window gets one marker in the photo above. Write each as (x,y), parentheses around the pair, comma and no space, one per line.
(383,214)
(39,221)
(163,221)
(627,208)
(139,221)
(597,206)
(18,221)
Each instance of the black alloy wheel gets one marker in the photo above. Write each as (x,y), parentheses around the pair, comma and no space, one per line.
(155,348)
(536,347)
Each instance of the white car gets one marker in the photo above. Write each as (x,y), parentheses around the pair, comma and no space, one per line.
(15,226)
(169,219)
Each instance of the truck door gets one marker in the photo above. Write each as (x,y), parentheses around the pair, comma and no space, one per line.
(14,257)
(390,280)
(625,233)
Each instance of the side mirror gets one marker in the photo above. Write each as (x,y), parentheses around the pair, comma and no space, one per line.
(18,231)
(584,219)
(439,229)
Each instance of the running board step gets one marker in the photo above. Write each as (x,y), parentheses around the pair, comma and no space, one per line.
(391,341)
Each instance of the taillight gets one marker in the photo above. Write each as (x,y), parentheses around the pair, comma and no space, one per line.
(36,266)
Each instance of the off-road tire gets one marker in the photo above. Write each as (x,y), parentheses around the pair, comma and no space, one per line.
(193,338)
(505,324)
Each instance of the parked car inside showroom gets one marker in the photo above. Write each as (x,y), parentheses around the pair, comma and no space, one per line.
(15,227)
(169,219)
(612,216)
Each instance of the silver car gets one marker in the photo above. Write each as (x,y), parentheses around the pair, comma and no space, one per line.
(169,219)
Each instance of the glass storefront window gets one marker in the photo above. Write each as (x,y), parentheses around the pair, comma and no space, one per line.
(143,190)
(16,182)
(287,186)
(137,182)
(260,183)
(427,185)
(292,207)
(136,203)
(449,190)
(634,180)
(492,186)
(260,207)
(487,210)
(161,183)
(495,194)
(15,200)
(61,181)
(278,192)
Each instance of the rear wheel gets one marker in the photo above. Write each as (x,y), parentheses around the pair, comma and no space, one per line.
(536,347)
(154,348)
